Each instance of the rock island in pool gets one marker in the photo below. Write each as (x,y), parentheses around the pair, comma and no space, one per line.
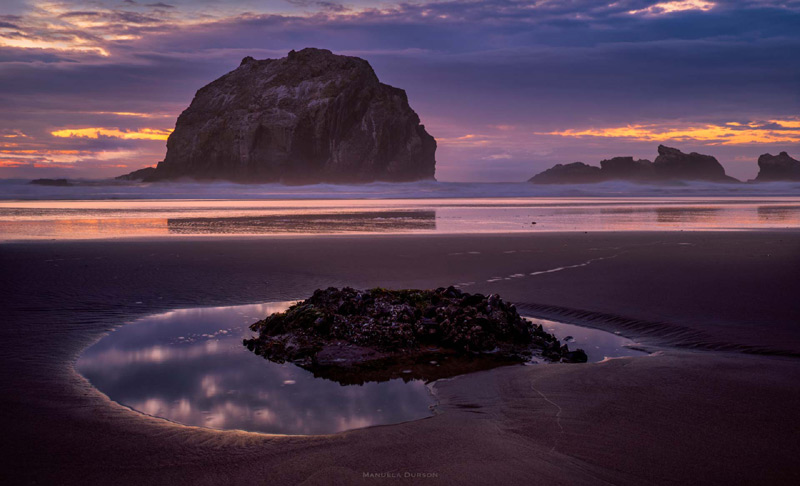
(354,336)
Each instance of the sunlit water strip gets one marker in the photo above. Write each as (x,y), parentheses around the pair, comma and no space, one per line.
(46,219)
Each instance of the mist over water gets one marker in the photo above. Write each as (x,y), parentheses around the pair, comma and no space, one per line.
(11,189)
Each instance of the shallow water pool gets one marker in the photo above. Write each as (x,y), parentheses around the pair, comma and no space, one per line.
(189,366)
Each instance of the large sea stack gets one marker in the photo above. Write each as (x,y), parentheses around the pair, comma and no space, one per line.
(309,117)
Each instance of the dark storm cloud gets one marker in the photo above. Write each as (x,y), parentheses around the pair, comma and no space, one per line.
(466,66)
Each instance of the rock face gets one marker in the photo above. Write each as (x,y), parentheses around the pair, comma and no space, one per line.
(779,167)
(363,335)
(574,173)
(309,117)
(671,164)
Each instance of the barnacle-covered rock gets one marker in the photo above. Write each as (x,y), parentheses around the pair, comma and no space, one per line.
(354,336)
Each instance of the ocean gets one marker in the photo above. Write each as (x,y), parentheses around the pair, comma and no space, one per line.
(94,210)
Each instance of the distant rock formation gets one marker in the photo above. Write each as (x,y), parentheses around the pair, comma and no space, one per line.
(627,169)
(51,182)
(671,164)
(138,175)
(779,167)
(309,117)
(574,173)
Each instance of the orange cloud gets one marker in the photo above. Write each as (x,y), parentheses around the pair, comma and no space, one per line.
(13,135)
(131,114)
(675,6)
(94,132)
(63,157)
(728,134)
(468,140)
(787,123)
(29,151)
(73,43)
(51,165)
(11,163)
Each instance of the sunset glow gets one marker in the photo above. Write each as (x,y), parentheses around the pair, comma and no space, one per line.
(729,134)
(675,6)
(142,134)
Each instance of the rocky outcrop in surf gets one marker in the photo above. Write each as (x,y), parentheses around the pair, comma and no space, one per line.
(138,175)
(779,167)
(574,173)
(670,165)
(626,168)
(310,117)
(52,182)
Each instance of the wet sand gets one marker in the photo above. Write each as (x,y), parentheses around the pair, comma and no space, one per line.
(717,403)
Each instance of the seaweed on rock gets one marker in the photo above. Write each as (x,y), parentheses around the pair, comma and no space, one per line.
(353,336)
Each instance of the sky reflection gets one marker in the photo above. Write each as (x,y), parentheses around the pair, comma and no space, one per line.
(189,366)
(21,220)
(599,345)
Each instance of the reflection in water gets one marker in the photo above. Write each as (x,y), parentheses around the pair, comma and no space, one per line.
(362,222)
(687,215)
(599,345)
(770,214)
(189,366)
(104,219)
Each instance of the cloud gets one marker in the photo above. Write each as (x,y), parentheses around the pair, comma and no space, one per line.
(662,8)
(141,134)
(731,133)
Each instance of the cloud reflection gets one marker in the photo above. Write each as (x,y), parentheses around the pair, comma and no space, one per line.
(189,366)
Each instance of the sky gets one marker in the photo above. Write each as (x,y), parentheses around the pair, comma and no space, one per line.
(91,89)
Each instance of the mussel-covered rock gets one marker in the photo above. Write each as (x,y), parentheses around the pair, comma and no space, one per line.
(353,336)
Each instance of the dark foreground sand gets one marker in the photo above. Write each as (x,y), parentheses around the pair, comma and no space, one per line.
(718,403)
